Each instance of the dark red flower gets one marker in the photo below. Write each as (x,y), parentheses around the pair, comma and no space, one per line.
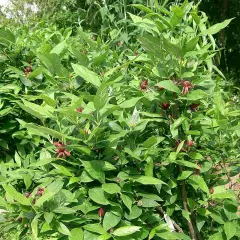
(28,69)
(194,107)
(40,191)
(101,212)
(190,143)
(61,150)
(186,87)
(144,85)
(28,194)
(160,88)
(165,106)
(79,109)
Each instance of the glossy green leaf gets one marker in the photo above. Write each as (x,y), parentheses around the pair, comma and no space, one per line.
(16,195)
(217,27)
(98,196)
(125,231)
(76,234)
(111,188)
(169,85)
(87,74)
(110,220)
(146,180)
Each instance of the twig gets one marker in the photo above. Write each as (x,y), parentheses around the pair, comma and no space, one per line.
(184,198)
(174,223)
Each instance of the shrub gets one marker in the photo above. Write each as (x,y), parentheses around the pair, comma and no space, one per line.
(101,142)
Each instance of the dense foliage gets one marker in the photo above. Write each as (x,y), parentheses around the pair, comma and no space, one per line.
(129,134)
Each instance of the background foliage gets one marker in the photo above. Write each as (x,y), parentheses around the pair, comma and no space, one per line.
(121,126)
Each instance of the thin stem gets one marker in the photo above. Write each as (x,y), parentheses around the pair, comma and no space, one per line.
(184,198)
(176,226)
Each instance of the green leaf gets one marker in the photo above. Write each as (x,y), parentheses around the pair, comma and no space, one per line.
(64,210)
(195,95)
(134,213)
(98,196)
(101,97)
(18,159)
(44,131)
(34,225)
(76,234)
(62,169)
(230,229)
(95,169)
(217,27)
(169,85)
(199,181)
(191,45)
(187,164)
(129,103)
(51,190)
(149,203)
(48,216)
(16,195)
(35,110)
(63,229)
(111,188)
(195,156)
(125,231)
(87,74)
(184,175)
(223,195)
(146,180)
(27,181)
(171,48)
(110,220)
(150,142)
(127,201)
(53,64)
(97,228)
(59,47)
(6,37)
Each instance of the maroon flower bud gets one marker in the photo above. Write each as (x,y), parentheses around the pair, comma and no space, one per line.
(211,190)
(101,212)
(194,107)
(165,106)
(197,171)
(19,219)
(160,88)
(28,69)
(28,195)
(79,109)
(144,85)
